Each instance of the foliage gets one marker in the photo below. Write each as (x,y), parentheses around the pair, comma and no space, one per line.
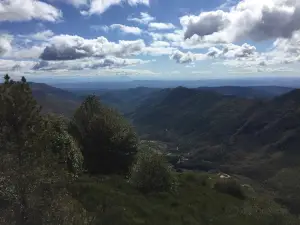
(63,144)
(230,186)
(152,173)
(108,142)
(32,181)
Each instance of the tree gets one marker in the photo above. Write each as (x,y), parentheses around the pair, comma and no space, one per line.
(152,173)
(108,142)
(32,182)
(63,144)
(20,122)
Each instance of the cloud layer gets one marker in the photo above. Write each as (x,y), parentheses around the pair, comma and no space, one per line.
(227,36)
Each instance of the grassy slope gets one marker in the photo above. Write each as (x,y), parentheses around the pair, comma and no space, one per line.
(115,202)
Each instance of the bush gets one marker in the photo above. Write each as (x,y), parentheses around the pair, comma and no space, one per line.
(63,144)
(231,187)
(107,140)
(151,173)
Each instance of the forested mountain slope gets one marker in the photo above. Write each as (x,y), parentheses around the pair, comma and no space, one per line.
(255,138)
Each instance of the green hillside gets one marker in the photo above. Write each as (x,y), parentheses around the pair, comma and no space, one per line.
(111,200)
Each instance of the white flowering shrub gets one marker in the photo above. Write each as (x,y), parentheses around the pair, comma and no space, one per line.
(152,173)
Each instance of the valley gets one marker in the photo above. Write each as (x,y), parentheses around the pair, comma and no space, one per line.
(248,131)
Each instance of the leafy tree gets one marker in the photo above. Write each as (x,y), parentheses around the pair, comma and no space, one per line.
(63,144)
(152,173)
(108,142)
(32,182)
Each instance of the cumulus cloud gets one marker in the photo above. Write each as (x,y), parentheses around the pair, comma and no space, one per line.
(254,19)
(126,29)
(24,10)
(161,26)
(67,47)
(144,18)
(285,50)
(182,58)
(233,51)
(89,63)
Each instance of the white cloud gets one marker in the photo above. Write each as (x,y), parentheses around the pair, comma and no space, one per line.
(145,18)
(33,52)
(233,51)
(158,48)
(176,36)
(176,39)
(189,57)
(9,48)
(24,10)
(67,47)
(254,19)
(161,26)
(104,28)
(5,44)
(285,50)
(127,29)
(100,6)
(158,51)
(12,65)
(92,66)
(136,2)
(39,36)
(160,44)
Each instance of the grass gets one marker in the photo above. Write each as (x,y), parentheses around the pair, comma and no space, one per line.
(112,200)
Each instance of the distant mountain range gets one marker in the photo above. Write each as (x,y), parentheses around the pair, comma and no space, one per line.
(95,84)
(126,100)
(55,100)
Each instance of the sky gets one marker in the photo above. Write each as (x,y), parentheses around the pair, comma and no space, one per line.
(149,39)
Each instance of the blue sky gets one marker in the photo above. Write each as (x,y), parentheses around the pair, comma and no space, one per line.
(149,39)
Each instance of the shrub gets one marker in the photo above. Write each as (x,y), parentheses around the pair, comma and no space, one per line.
(151,173)
(63,144)
(231,187)
(107,140)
